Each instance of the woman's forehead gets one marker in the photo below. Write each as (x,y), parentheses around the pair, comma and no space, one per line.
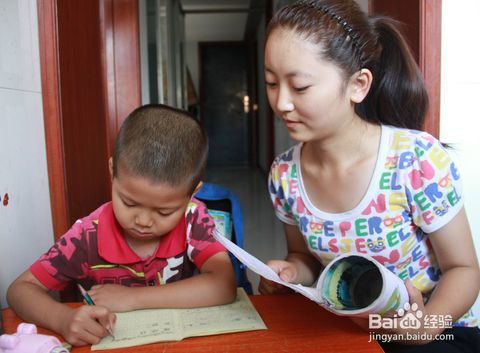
(287,50)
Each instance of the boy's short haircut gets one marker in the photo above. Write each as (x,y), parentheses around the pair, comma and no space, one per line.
(163,144)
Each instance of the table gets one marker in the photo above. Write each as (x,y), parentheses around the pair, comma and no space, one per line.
(295,325)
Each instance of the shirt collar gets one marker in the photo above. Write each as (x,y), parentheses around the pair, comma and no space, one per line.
(113,247)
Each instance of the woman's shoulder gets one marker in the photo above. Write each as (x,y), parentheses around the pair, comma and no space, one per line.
(402,139)
(284,167)
(288,155)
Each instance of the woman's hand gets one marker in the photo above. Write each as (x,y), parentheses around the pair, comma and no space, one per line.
(285,270)
(401,328)
(115,297)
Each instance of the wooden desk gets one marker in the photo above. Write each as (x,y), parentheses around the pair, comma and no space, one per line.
(295,324)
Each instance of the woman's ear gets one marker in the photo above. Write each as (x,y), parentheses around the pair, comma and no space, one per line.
(360,84)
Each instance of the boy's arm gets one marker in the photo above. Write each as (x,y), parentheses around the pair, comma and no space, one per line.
(79,326)
(215,285)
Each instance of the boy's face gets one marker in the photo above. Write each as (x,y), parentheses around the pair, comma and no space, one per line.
(144,209)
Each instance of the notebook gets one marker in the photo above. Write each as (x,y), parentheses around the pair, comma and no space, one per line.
(155,325)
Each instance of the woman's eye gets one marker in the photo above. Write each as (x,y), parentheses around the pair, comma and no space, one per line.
(128,204)
(270,84)
(301,89)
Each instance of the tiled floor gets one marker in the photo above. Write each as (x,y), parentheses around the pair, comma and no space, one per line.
(263,233)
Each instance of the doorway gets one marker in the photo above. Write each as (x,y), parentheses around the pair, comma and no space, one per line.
(225,103)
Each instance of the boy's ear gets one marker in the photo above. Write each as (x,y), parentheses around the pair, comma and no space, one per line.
(360,84)
(198,187)
(110,167)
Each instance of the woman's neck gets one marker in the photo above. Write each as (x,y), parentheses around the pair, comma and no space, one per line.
(355,140)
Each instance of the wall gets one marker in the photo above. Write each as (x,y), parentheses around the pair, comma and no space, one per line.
(363,4)
(460,89)
(26,225)
(191,50)
(144,69)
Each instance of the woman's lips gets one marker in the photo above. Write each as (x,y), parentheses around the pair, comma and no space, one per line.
(291,124)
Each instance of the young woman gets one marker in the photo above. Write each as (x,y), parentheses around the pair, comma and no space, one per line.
(363,178)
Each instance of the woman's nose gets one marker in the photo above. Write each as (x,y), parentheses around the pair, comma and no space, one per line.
(284,101)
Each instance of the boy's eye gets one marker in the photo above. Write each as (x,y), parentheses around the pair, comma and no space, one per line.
(164,213)
(128,204)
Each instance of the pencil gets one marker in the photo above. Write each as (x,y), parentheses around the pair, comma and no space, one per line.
(90,301)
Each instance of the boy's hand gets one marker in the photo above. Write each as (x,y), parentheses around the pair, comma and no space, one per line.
(115,297)
(86,324)
(285,270)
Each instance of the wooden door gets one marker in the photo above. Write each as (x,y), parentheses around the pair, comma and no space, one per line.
(422,27)
(89,58)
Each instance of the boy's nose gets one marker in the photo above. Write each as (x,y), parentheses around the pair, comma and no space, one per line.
(143,220)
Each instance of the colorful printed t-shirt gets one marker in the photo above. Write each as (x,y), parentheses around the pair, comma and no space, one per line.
(415,189)
(94,251)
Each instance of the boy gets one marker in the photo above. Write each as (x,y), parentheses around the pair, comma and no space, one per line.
(141,249)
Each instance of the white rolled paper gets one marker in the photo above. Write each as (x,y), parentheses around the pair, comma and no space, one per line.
(358,285)
(350,285)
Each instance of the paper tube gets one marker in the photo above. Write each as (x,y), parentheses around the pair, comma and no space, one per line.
(358,285)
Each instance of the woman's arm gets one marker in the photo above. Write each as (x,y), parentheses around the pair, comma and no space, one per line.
(459,284)
(458,287)
(300,266)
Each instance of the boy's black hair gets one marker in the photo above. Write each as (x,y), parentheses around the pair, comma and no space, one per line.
(163,144)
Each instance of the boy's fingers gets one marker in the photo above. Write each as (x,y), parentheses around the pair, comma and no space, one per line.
(92,337)
(113,318)
(76,341)
(99,312)
(101,320)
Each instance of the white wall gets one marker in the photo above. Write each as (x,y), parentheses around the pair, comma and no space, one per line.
(25,223)
(460,92)
(144,71)
(191,56)
(363,4)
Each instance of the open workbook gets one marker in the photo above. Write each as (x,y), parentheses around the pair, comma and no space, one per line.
(350,285)
(155,325)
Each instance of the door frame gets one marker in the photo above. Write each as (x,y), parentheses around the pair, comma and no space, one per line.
(429,22)
(120,67)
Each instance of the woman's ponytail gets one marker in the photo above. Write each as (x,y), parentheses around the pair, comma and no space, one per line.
(398,95)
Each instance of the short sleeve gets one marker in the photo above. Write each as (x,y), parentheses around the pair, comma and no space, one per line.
(279,186)
(434,187)
(62,263)
(201,245)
